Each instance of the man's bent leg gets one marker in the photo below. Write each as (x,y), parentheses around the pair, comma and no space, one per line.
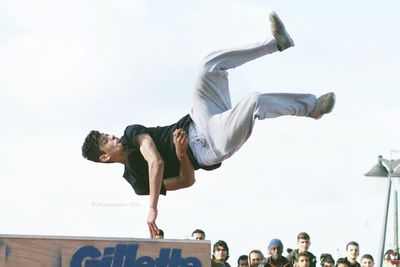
(211,95)
(228,131)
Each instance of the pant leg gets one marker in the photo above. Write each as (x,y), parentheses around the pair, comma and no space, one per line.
(225,129)
(229,130)
(211,93)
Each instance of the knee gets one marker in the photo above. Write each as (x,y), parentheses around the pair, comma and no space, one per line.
(252,99)
(212,63)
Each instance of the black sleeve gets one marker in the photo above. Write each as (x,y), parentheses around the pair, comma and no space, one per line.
(131,132)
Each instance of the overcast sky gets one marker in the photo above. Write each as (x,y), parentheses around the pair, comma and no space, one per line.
(67,67)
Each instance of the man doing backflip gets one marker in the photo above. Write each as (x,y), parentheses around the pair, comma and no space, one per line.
(159,159)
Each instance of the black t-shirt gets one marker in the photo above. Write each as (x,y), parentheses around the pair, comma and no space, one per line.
(356,264)
(136,171)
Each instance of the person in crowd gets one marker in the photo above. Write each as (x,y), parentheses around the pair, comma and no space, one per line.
(326,260)
(303,244)
(255,258)
(220,254)
(243,261)
(275,250)
(391,258)
(198,234)
(342,262)
(302,260)
(367,261)
(352,252)
(160,234)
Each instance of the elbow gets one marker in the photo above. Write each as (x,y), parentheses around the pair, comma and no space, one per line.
(191,182)
(160,162)
(188,182)
(156,164)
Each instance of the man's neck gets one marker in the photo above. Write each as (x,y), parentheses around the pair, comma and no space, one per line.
(123,159)
(219,261)
(277,261)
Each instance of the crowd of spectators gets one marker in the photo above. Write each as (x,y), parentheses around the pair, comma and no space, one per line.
(299,257)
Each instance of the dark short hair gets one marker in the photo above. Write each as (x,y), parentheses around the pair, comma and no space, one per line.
(242,257)
(389,253)
(257,251)
(367,256)
(342,261)
(160,232)
(91,147)
(352,243)
(199,231)
(221,243)
(301,254)
(326,257)
(303,235)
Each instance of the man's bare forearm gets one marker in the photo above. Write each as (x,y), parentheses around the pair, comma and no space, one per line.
(155,180)
(186,170)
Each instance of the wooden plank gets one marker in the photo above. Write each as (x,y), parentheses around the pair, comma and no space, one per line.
(61,251)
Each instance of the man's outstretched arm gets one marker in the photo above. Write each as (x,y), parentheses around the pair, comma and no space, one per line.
(156,172)
(186,176)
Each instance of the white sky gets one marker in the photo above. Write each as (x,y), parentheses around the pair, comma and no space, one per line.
(67,67)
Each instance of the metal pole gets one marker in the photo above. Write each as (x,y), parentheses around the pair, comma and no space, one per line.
(383,240)
(395,223)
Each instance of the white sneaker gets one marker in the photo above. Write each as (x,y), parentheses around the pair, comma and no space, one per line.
(278,30)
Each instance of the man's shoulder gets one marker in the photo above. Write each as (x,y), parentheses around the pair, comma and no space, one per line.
(292,254)
(285,260)
(134,129)
(310,255)
(356,264)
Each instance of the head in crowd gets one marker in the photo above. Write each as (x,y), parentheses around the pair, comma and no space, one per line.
(352,251)
(243,261)
(303,241)
(160,234)
(367,261)
(326,260)
(255,257)
(198,234)
(220,251)
(342,262)
(391,258)
(275,249)
(302,260)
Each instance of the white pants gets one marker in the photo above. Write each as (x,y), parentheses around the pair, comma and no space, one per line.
(223,129)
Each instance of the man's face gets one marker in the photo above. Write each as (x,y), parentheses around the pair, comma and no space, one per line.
(112,147)
(276,252)
(352,252)
(243,263)
(303,245)
(255,259)
(303,262)
(198,236)
(220,253)
(367,263)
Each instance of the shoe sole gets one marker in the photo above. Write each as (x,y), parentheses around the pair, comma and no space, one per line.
(332,99)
